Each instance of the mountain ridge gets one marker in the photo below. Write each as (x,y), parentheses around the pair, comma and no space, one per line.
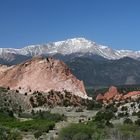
(70,46)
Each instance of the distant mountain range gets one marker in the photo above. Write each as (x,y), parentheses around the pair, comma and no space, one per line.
(80,46)
(96,65)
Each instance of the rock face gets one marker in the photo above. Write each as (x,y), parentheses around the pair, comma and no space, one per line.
(132,94)
(113,94)
(40,74)
(110,95)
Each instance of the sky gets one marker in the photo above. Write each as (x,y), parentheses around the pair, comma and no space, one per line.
(115,23)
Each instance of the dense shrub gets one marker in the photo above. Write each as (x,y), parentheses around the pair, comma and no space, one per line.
(124,132)
(137,122)
(121,114)
(128,121)
(2,89)
(124,108)
(106,115)
(79,110)
(37,134)
(81,132)
(138,114)
(7,134)
(93,105)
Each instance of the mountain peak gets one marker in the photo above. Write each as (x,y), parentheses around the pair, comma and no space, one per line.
(72,41)
(80,39)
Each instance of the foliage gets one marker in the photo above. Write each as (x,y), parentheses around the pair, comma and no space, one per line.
(137,122)
(37,134)
(44,115)
(39,123)
(2,89)
(138,114)
(128,121)
(7,134)
(93,105)
(128,131)
(92,131)
(82,131)
(124,108)
(106,115)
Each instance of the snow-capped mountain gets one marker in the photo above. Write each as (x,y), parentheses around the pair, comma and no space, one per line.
(80,46)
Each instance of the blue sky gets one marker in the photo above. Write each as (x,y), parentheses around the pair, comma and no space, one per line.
(115,23)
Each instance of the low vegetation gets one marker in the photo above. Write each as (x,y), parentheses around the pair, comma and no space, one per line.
(101,128)
(39,123)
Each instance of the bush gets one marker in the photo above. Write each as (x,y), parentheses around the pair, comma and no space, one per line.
(104,115)
(37,134)
(15,135)
(121,114)
(79,110)
(138,114)
(2,89)
(3,133)
(7,134)
(46,115)
(124,108)
(137,122)
(128,121)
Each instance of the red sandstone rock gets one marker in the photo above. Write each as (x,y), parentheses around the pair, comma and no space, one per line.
(113,94)
(131,94)
(100,97)
(40,74)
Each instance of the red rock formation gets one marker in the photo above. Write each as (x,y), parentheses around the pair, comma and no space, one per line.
(113,94)
(40,74)
(130,94)
(100,97)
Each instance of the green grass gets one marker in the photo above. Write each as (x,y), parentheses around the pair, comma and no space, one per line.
(31,125)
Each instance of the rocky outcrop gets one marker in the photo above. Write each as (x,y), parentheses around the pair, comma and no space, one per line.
(41,74)
(113,94)
(132,94)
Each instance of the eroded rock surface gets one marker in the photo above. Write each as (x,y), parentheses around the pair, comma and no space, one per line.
(41,74)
